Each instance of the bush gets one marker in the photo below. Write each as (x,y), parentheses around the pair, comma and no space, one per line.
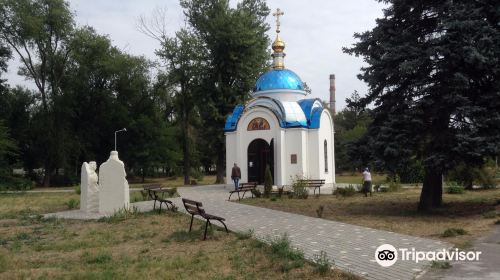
(288,257)
(78,190)
(15,183)
(319,211)
(268,182)
(467,176)
(197,174)
(73,203)
(257,193)
(394,183)
(299,189)
(454,188)
(345,192)
(322,263)
(452,232)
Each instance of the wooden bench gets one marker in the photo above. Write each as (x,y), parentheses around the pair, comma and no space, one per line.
(244,188)
(196,208)
(153,193)
(313,183)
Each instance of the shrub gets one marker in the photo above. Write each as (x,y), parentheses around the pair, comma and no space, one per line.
(319,211)
(345,192)
(486,178)
(452,232)
(454,188)
(15,183)
(257,193)
(289,257)
(440,265)
(394,183)
(73,203)
(299,189)
(78,190)
(121,215)
(268,182)
(490,215)
(322,263)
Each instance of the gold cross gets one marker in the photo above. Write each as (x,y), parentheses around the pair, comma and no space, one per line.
(277,15)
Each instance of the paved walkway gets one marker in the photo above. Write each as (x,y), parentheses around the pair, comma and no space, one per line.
(487,268)
(351,247)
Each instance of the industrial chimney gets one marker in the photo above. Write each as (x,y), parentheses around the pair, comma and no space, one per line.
(332,93)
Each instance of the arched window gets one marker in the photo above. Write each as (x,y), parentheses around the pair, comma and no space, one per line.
(326,157)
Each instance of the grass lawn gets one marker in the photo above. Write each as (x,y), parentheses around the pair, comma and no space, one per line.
(474,211)
(138,246)
(358,178)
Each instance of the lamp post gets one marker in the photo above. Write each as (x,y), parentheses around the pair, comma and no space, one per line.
(121,130)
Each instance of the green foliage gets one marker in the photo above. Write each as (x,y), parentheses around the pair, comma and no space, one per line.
(345,192)
(394,183)
(72,203)
(121,215)
(454,188)
(319,211)
(322,263)
(15,183)
(469,175)
(245,235)
(299,188)
(257,193)
(78,190)
(427,102)
(441,265)
(268,181)
(99,258)
(235,45)
(452,232)
(283,252)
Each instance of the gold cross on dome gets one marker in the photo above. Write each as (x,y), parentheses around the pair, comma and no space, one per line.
(277,15)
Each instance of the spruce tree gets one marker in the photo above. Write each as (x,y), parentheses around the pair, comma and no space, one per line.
(433,73)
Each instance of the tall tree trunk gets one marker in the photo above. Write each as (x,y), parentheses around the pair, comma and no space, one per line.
(185,150)
(432,190)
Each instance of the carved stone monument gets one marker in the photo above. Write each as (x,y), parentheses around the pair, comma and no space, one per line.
(114,190)
(89,189)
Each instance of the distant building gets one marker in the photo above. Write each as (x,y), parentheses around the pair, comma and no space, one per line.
(281,128)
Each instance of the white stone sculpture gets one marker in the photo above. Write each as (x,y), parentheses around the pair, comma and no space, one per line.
(89,189)
(114,190)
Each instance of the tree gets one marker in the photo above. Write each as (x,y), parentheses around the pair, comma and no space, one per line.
(236,43)
(39,32)
(350,127)
(434,78)
(183,57)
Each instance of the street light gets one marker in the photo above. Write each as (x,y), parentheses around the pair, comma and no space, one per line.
(121,130)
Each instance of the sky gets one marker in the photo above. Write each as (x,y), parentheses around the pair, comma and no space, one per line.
(314,32)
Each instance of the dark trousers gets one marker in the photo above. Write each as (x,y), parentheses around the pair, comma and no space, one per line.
(367,187)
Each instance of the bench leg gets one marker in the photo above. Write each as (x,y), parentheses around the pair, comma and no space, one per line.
(191,224)
(206,227)
(227,231)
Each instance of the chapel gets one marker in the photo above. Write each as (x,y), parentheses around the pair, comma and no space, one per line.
(280,127)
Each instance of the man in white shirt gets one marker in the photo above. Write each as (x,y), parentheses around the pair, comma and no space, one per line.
(367,182)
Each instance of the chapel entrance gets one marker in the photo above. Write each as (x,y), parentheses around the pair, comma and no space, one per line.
(260,154)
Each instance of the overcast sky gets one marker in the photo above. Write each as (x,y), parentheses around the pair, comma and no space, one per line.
(314,32)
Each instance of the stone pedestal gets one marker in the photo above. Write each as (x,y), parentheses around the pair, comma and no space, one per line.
(114,190)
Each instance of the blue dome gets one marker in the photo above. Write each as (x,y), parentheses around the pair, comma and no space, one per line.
(279,79)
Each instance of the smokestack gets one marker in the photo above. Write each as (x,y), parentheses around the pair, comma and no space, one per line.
(332,93)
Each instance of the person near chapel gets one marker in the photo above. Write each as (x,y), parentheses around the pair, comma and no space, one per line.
(236,176)
(367,182)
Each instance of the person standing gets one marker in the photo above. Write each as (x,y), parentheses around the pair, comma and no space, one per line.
(236,176)
(367,182)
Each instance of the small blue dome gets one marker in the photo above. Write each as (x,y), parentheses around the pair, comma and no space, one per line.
(279,79)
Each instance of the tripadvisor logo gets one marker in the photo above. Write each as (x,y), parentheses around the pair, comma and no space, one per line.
(386,255)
